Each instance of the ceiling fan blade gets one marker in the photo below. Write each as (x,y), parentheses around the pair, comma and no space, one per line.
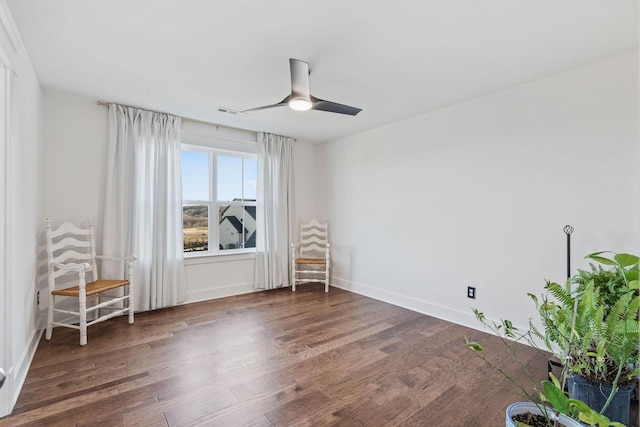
(333,107)
(265,107)
(299,79)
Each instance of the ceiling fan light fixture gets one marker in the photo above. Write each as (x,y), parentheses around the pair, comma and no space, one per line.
(300,104)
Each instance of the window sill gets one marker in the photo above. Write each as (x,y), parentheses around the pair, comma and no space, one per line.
(220,257)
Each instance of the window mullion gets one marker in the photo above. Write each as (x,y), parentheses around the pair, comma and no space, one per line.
(214,223)
(243,228)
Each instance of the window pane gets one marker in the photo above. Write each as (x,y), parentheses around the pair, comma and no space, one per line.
(250,225)
(195,175)
(237,227)
(250,179)
(229,178)
(195,227)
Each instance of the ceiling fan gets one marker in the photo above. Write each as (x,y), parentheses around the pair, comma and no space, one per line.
(300,98)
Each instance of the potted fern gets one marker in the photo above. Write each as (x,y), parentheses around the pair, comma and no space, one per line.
(545,406)
(591,325)
(545,403)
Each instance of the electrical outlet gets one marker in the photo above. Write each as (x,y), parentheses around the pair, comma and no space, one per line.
(38,298)
(471,292)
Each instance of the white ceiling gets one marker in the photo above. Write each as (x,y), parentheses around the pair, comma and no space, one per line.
(393,59)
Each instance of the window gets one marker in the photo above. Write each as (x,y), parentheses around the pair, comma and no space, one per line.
(218,200)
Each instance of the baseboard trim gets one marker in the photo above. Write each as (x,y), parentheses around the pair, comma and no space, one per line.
(21,369)
(441,312)
(222,292)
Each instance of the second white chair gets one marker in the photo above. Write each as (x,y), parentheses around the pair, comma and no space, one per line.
(310,258)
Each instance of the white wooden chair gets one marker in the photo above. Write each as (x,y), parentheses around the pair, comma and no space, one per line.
(310,256)
(71,253)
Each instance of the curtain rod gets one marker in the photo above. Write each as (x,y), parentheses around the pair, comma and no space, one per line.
(106,104)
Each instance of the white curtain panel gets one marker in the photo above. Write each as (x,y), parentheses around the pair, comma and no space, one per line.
(275,212)
(143,203)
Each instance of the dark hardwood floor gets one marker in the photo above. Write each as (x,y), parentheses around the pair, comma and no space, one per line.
(274,358)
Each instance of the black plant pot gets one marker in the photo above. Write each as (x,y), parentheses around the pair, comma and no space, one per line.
(595,395)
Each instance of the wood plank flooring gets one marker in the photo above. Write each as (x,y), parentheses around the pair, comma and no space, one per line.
(274,358)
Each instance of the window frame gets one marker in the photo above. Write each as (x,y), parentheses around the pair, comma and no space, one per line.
(213,204)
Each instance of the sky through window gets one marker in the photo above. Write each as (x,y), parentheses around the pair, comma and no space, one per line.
(230,170)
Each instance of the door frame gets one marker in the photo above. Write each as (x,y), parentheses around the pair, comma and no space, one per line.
(7,392)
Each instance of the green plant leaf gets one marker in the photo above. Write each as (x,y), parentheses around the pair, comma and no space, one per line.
(475,346)
(555,380)
(601,260)
(579,405)
(589,418)
(479,315)
(556,397)
(626,260)
(594,418)
(596,253)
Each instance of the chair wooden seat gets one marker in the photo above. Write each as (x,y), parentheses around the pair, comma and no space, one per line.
(311,261)
(92,288)
(313,251)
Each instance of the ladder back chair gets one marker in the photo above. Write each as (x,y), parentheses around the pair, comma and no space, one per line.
(310,256)
(71,254)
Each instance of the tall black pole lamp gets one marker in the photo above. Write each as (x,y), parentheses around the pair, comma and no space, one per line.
(568,230)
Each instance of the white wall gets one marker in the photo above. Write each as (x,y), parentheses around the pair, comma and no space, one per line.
(76,129)
(307,180)
(22,171)
(75,137)
(478,193)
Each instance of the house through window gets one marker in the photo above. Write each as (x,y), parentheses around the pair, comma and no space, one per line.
(218,200)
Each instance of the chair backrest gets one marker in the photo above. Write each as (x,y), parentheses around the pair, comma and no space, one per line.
(314,237)
(70,244)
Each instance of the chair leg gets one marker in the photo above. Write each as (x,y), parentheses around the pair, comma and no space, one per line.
(326,280)
(293,277)
(83,316)
(293,267)
(52,300)
(130,303)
